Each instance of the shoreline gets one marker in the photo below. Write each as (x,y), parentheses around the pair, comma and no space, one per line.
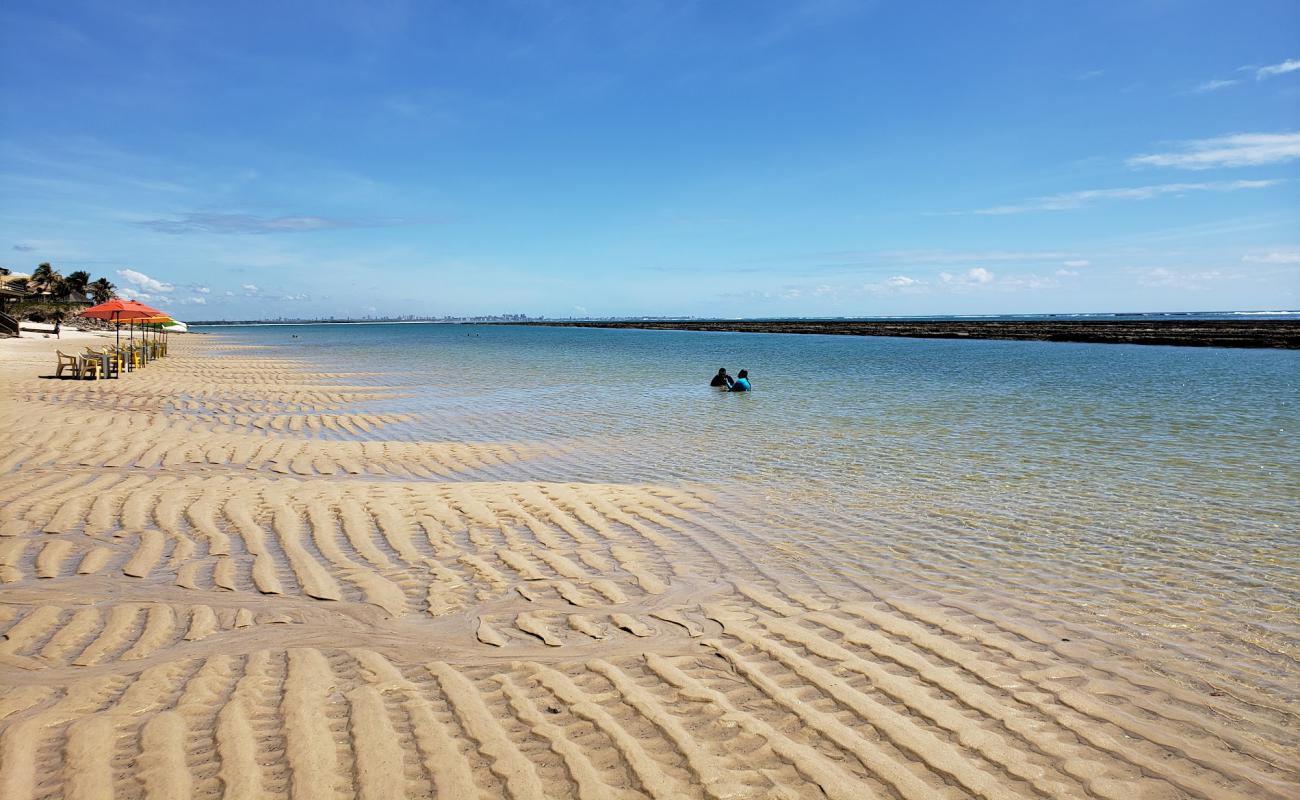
(1274,334)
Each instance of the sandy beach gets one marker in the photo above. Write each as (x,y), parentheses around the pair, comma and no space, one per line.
(220,580)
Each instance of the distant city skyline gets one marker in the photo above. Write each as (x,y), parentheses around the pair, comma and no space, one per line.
(768,159)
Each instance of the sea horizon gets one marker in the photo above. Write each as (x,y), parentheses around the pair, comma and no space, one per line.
(1204,315)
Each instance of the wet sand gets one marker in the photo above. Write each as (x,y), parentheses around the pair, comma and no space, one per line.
(219,579)
(1194,333)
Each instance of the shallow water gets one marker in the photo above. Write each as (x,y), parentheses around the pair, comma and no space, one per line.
(1146,491)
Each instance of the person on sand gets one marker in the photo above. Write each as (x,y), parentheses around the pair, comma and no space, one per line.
(58,323)
(721,379)
(741,383)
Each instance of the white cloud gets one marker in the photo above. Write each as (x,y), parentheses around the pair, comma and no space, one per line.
(193,301)
(202,289)
(1028,282)
(1275,257)
(295,297)
(1067,273)
(1290,65)
(1077,262)
(1214,86)
(1162,278)
(1236,150)
(143,282)
(1071,200)
(972,277)
(897,284)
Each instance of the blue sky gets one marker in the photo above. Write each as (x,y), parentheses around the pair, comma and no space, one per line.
(249,160)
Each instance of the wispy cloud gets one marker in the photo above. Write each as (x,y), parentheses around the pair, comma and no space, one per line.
(143,282)
(1077,262)
(1273,257)
(1071,200)
(24,248)
(252,224)
(1162,278)
(1290,65)
(1214,86)
(1236,150)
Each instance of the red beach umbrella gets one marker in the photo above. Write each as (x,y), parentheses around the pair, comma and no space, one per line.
(120,311)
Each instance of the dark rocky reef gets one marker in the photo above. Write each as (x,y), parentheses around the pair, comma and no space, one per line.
(1186,333)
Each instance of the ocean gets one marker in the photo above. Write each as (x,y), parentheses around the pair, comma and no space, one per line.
(1143,493)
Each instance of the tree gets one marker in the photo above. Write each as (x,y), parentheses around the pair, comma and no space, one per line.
(78,281)
(102,291)
(44,278)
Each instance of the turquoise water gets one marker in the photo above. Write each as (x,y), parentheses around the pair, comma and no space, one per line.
(1133,488)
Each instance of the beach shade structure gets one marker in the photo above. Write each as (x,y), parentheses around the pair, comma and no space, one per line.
(118,311)
(158,325)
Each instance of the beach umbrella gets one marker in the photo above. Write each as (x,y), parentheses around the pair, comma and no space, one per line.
(156,324)
(118,311)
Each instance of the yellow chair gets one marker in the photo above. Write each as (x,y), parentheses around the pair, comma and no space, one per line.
(106,359)
(66,361)
(92,365)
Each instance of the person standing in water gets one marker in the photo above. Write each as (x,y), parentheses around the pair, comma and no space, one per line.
(741,383)
(721,379)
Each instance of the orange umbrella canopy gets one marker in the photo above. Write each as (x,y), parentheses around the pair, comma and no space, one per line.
(121,311)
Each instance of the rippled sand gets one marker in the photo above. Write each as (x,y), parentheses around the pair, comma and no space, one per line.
(219,579)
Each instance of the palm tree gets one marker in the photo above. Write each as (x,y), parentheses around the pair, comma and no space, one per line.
(77,281)
(44,278)
(102,290)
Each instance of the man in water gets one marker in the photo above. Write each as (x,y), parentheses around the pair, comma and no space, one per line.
(721,379)
(741,383)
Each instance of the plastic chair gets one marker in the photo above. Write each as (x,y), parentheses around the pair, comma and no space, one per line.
(92,365)
(106,359)
(66,361)
(116,357)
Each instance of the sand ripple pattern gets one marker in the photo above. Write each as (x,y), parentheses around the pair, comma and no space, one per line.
(195,605)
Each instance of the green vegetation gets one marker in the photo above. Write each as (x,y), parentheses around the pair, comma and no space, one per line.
(55,296)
